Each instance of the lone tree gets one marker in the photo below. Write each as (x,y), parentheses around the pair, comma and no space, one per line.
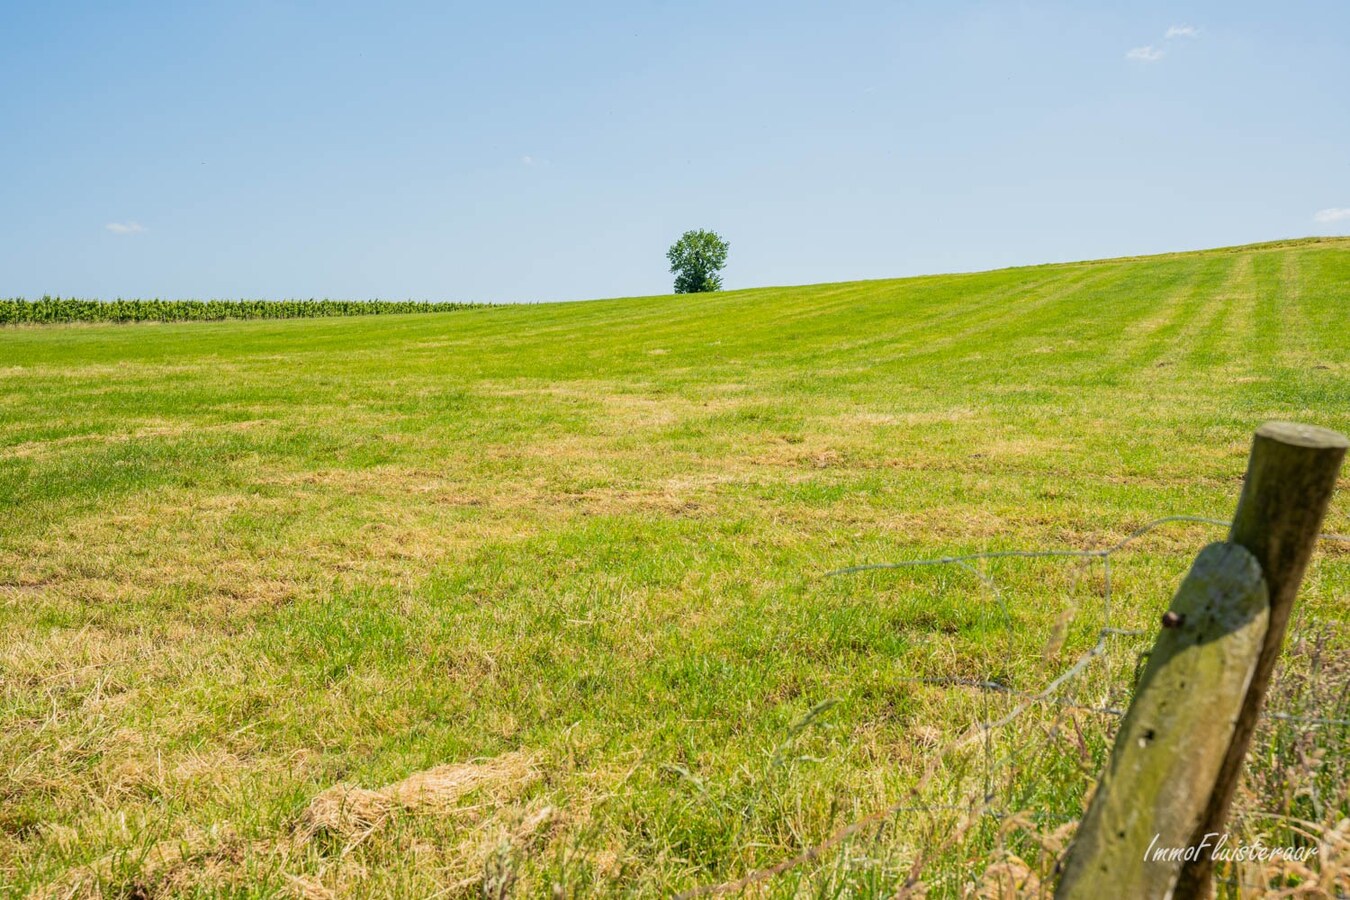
(695,259)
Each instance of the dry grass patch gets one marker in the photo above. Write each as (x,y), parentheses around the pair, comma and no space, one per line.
(493,825)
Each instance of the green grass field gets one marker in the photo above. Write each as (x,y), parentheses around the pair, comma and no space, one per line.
(577,553)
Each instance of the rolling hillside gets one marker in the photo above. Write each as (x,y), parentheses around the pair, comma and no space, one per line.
(578,552)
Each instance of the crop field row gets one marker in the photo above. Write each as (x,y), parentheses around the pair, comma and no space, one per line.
(57,310)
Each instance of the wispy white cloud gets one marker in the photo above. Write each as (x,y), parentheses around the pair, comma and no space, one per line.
(1145,54)
(125,227)
(527,160)
(1151,53)
(1334,214)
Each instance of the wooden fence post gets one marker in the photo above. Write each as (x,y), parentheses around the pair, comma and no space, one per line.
(1172,742)
(1180,748)
(1291,476)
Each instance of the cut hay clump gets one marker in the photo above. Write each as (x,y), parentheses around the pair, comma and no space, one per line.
(349,811)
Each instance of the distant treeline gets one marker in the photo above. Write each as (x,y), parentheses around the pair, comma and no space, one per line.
(55,310)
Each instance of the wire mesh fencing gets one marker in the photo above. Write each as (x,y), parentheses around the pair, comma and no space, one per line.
(993,808)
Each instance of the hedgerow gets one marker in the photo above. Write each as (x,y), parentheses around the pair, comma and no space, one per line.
(58,310)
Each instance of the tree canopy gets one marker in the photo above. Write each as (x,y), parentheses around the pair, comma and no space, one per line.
(696,259)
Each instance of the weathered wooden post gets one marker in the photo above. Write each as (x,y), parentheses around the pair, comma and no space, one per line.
(1172,743)
(1180,747)
(1291,476)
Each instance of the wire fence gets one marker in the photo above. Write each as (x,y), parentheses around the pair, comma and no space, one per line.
(988,839)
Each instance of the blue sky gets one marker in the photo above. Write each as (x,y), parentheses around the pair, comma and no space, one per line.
(548,151)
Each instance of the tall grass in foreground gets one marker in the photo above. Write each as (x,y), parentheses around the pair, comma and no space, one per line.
(57,310)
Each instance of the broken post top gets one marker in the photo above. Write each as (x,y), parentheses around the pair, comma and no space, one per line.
(1314,437)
